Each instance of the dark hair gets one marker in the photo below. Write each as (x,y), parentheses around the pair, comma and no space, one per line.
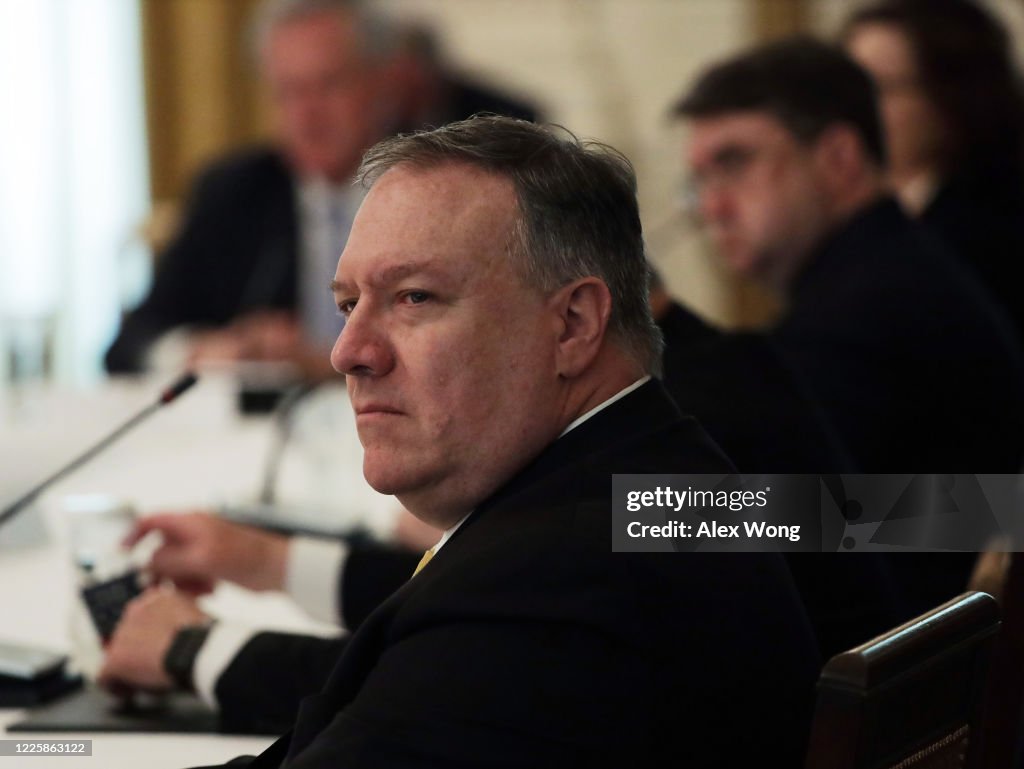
(806,84)
(578,212)
(966,69)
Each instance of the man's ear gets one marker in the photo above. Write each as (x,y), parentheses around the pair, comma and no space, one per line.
(582,308)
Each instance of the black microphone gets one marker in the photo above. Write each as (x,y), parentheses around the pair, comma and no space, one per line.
(179,386)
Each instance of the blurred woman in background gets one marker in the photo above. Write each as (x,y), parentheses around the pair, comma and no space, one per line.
(953,108)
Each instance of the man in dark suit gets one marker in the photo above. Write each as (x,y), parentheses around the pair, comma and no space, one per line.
(246,276)
(498,352)
(900,348)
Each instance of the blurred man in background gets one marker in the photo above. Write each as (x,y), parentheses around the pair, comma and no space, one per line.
(904,352)
(246,278)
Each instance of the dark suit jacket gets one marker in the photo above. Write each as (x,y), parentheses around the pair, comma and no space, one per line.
(767,421)
(980,216)
(747,398)
(237,251)
(527,642)
(909,356)
(260,690)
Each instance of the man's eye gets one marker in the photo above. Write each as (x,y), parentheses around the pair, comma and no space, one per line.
(346,307)
(415,297)
(735,160)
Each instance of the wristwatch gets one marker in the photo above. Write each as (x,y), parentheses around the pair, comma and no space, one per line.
(181,656)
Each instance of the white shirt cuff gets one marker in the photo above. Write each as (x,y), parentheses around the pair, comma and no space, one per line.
(313,576)
(221,646)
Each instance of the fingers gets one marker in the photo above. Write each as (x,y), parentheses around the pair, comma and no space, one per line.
(186,555)
(174,526)
(227,344)
(199,549)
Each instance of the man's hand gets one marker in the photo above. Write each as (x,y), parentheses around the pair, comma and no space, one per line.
(135,654)
(266,335)
(270,336)
(217,346)
(199,549)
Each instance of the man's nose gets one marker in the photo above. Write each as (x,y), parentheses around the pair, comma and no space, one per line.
(713,203)
(363,347)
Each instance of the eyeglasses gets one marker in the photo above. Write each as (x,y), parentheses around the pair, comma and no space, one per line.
(727,169)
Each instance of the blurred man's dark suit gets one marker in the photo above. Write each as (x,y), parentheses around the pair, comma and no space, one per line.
(527,642)
(980,216)
(766,420)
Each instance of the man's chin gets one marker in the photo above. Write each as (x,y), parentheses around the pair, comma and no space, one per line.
(384,474)
(740,261)
(382,483)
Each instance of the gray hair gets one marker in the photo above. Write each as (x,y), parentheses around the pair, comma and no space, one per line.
(378,36)
(578,213)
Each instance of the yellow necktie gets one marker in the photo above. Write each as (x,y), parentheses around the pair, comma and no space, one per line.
(424,561)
